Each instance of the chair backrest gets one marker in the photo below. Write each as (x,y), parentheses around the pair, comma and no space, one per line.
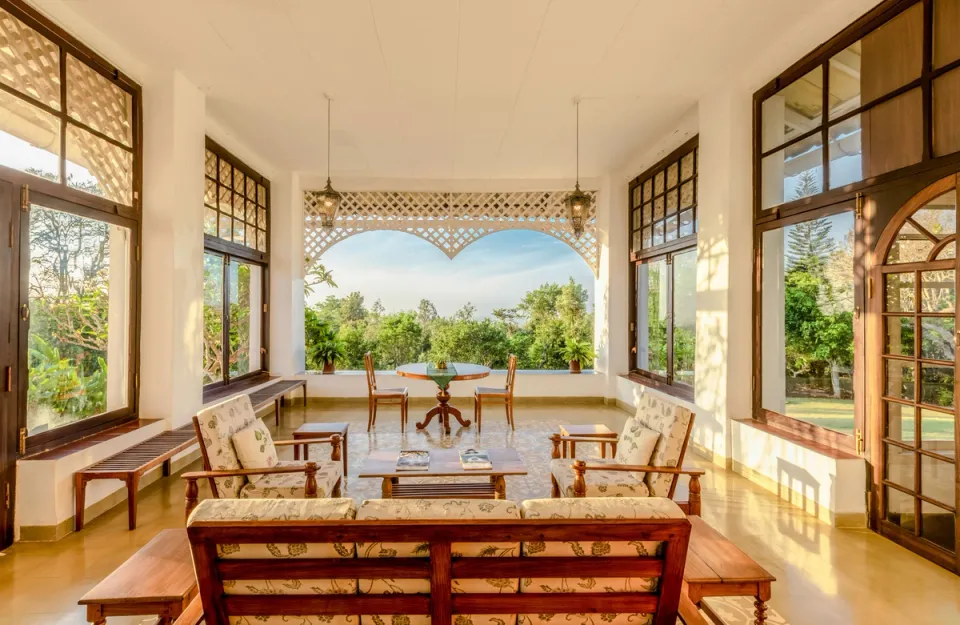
(371,374)
(674,423)
(215,427)
(313,564)
(511,373)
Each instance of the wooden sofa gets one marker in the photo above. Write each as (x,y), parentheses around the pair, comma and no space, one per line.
(420,562)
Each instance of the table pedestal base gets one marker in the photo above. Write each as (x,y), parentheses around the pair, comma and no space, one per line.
(443,410)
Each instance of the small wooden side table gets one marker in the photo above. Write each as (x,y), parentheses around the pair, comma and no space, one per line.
(157,580)
(319,430)
(593,431)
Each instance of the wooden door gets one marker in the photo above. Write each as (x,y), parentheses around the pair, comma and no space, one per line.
(9,354)
(914,282)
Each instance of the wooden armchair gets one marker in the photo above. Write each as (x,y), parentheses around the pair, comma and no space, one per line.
(215,427)
(600,477)
(388,396)
(497,394)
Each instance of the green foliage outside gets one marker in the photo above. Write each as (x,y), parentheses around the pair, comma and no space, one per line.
(537,330)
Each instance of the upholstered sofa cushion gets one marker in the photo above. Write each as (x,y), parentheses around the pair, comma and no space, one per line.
(636,445)
(293,485)
(232,510)
(599,483)
(592,508)
(672,421)
(254,447)
(434,509)
(218,424)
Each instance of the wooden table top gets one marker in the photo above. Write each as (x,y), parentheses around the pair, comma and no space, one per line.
(712,559)
(162,570)
(322,428)
(465,371)
(443,463)
(596,430)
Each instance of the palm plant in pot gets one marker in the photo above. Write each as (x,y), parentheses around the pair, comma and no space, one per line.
(578,353)
(327,349)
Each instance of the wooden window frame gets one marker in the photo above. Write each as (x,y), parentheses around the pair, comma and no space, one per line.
(59,196)
(230,250)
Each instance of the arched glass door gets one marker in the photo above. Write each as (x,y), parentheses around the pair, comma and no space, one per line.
(917,466)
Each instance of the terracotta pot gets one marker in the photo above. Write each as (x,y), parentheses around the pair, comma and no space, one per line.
(329,368)
(574,366)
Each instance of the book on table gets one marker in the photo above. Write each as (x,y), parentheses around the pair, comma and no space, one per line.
(475,460)
(412,460)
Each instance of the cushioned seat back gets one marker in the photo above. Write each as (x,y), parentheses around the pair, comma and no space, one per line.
(217,425)
(437,509)
(673,423)
(249,578)
(592,509)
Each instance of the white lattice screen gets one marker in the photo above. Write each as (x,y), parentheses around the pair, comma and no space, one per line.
(450,221)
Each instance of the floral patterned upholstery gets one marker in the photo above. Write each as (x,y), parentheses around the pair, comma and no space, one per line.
(400,509)
(219,423)
(599,483)
(232,510)
(593,508)
(673,423)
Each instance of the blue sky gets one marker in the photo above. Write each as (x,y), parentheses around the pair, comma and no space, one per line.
(494,272)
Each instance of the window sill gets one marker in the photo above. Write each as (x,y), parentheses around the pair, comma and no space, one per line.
(798,440)
(220,392)
(72,447)
(674,391)
(492,372)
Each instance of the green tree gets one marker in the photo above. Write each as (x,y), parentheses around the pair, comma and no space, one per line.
(809,245)
(351,308)
(317,275)
(426,313)
(399,339)
(466,340)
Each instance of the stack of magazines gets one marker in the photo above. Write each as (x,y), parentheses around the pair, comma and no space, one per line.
(413,461)
(475,459)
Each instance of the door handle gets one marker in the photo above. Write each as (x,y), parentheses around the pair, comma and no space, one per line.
(24,312)
(8,380)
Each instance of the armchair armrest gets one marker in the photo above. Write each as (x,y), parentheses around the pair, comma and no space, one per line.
(334,440)
(193,489)
(192,615)
(689,612)
(580,469)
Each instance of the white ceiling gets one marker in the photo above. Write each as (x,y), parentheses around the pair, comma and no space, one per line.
(466,89)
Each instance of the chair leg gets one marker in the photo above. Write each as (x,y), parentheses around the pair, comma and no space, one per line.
(133,486)
(370,405)
(510,415)
(403,416)
(478,412)
(81,494)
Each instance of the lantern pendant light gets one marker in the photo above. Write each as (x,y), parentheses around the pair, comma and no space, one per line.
(578,202)
(329,198)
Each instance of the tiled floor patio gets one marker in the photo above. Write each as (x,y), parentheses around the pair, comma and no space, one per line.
(827,576)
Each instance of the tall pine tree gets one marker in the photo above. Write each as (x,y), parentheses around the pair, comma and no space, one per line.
(809,245)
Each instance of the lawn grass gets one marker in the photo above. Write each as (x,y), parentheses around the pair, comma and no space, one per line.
(837,415)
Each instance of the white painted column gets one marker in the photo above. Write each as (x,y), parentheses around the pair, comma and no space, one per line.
(724,269)
(118,319)
(287,351)
(611,290)
(171,340)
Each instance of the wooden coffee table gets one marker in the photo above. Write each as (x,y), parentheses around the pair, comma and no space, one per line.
(157,580)
(718,568)
(443,463)
(319,430)
(595,430)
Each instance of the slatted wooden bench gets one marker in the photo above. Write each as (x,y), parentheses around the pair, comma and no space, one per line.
(129,466)
(273,393)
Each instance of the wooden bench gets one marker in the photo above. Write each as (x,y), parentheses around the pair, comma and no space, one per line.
(273,393)
(129,466)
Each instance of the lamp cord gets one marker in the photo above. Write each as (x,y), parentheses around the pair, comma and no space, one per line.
(328,140)
(578,142)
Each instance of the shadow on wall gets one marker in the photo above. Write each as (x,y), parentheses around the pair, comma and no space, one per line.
(797,486)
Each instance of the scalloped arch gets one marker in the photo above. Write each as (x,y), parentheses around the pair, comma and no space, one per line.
(449,221)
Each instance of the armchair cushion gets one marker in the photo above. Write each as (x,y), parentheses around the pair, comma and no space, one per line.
(218,424)
(427,509)
(599,483)
(293,485)
(636,444)
(672,421)
(255,449)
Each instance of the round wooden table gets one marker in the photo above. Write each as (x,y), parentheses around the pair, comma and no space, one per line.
(464,371)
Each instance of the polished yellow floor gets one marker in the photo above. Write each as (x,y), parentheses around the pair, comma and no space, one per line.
(825,576)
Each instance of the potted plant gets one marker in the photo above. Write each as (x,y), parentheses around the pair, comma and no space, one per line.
(578,353)
(327,350)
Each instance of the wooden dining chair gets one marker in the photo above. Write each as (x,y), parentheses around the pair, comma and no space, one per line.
(386,396)
(498,394)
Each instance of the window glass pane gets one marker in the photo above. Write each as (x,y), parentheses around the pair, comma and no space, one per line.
(946,101)
(636,196)
(938,480)
(210,192)
(98,167)
(901,465)
(30,63)
(900,292)
(936,385)
(245,317)
(79,296)
(937,525)
(658,233)
(226,224)
(937,338)
(939,216)
(686,223)
(900,509)
(98,103)
(652,317)
(793,111)
(212,318)
(910,246)
(901,425)
(807,315)
(892,134)
(846,158)
(210,222)
(793,173)
(901,379)
(899,336)
(670,226)
(684,315)
(937,291)
(937,431)
(29,138)
(210,164)
(946,32)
